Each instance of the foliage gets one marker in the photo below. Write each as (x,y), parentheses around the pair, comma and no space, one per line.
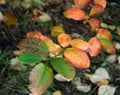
(42,50)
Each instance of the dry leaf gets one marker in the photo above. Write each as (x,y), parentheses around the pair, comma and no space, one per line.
(76,81)
(44,17)
(60,78)
(117,46)
(106,90)
(27,3)
(84,88)
(57,93)
(118,58)
(118,31)
(2,1)
(10,18)
(112,58)
(1,16)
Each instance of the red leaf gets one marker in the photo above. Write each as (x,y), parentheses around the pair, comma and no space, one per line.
(94,47)
(77,57)
(76,14)
(64,40)
(96,9)
(104,33)
(82,3)
(100,2)
(80,44)
(94,24)
(108,45)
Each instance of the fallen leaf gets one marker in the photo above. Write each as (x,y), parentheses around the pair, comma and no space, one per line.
(106,90)
(44,17)
(118,31)
(10,18)
(57,93)
(56,30)
(108,45)
(80,44)
(82,3)
(94,46)
(111,58)
(94,24)
(104,33)
(96,78)
(60,78)
(26,3)
(118,58)
(76,13)
(117,46)
(1,16)
(96,9)
(64,39)
(77,57)
(100,2)
(2,1)
(84,88)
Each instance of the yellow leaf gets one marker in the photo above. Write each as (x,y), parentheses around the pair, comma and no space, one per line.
(56,30)
(57,93)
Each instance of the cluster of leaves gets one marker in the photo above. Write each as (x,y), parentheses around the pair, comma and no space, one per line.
(69,52)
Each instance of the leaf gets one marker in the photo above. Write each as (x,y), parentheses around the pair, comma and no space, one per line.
(94,47)
(104,33)
(64,40)
(40,78)
(106,90)
(107,45)
(63,67)
(2,1)
(80,44)
(29,58)
(77,57)
(82,3)
(1,16)
(96,9)
(57,93)
(10,18)
(56,30)
(94,24)
(32,45)
(118,31)
(76,14)
(100,2)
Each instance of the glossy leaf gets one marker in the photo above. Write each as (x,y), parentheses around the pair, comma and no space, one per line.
(40,79)
(32,45)
(77,57)
(63,67)
(10,18)
(94,47)
(80,44)
(29,58)
(76,13)
(96,9)
(104,33)
(108,45)
(64,40)
(56,30)
(82,3)
(100,2)
(94,24)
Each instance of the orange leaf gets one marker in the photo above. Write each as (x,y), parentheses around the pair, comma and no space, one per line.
(80,44)
(10,18)
(77,57)
(94,47)
(108,45)
(100,2)
(76,14)
(104,33)
(94,24)
(64,40)
(35,34)
(96,9)
(82,3)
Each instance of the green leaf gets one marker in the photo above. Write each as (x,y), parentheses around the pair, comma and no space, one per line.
(40,78)
(107,45)
(63,67)
(32,45)
(29,58)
